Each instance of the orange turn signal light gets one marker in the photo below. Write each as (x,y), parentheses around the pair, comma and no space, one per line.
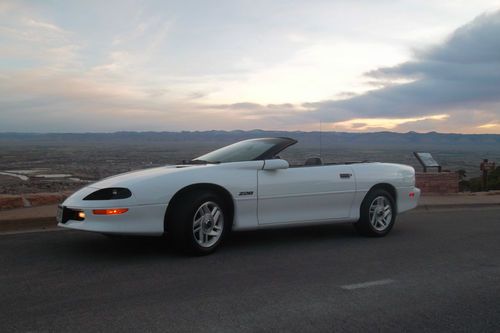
(112,211)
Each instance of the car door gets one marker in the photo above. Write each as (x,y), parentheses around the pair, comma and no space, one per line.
(312,193)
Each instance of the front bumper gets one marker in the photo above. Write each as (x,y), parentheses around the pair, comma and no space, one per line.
(138,220)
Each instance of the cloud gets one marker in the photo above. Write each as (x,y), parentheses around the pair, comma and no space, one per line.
(164,66)
(294,113)
(38,100)
(42,25)
(461,74)
(28,41)
(489,125)
(238,106)
(385,123)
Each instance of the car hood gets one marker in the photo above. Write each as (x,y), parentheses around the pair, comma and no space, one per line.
(128,179)
(156,185)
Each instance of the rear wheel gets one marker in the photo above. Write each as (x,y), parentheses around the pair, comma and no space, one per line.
(377,214)
(198,223)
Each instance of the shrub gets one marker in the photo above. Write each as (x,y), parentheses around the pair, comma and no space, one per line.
(475,184)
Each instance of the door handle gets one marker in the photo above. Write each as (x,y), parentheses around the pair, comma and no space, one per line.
(345,175)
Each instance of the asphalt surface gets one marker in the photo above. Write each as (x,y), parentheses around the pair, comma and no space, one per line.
(436,271)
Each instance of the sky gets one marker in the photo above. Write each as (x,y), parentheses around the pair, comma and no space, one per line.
(347,65)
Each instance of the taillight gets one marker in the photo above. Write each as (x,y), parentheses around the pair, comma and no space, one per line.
(411,195)
(112,211)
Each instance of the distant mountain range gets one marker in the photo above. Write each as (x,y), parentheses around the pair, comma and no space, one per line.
(327,139)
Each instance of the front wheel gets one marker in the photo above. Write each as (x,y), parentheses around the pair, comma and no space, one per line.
(377,214)
(199,222)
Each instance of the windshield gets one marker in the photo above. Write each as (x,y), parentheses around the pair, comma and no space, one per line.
(247,150)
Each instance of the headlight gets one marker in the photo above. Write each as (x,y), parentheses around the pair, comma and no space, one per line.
(111,193)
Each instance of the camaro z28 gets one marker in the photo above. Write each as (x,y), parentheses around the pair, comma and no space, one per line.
(242,186)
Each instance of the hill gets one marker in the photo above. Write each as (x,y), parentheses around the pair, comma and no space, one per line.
(410,140)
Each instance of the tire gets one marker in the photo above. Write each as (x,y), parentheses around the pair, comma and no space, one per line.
(377,214)
(198,223)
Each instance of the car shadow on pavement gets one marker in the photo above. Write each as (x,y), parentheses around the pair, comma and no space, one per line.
(291,236)
(92,245)
(128,247)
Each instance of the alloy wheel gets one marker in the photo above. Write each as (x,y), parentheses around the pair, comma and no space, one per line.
(208,223)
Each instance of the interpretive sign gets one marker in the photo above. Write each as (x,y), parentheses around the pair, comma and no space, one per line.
(427,161)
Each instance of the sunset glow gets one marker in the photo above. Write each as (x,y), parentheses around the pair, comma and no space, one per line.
(161,65)
(367,124)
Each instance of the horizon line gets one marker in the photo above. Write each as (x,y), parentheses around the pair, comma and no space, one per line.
(240,130)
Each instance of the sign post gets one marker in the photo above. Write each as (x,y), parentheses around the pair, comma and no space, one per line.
(485,167)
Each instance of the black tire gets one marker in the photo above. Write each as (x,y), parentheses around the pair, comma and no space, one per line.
(382,226)
(179,224)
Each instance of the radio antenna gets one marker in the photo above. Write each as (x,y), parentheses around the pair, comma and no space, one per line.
(320,139)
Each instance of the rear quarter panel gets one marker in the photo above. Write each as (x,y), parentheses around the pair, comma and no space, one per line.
(401,177)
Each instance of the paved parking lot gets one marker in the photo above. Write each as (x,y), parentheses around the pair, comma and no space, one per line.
(438,270)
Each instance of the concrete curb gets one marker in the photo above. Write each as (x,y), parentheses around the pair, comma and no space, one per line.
(39,223)
(460,205)
(21,219)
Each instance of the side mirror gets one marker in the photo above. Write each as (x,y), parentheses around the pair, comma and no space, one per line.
(275,164)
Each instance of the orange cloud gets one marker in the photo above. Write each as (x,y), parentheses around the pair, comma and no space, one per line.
(363,124)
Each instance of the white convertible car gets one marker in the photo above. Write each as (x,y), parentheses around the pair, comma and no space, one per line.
(239,187)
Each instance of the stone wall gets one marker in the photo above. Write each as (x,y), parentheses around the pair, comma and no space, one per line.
(437,183)
(8,201)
